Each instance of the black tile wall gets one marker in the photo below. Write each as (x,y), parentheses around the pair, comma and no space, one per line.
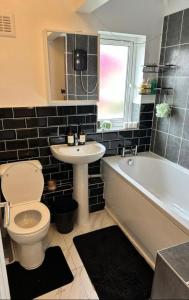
(75,90)
(170,136)
(27,133)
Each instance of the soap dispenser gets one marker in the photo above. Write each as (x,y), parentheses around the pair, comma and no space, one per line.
(70,137)
(81,136)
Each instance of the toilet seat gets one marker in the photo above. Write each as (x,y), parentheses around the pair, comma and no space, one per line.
(34,206)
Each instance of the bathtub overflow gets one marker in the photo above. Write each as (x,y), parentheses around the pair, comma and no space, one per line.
(130,162)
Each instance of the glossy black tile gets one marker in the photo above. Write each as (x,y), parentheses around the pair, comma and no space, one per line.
(109,136)
(171,57)
(145,124)
(66,110)
(89,128)
(125,134)
(173,148)
(147,107)
(70,42)
(91,119)
(57,140)
(176,121)
(186,126)
(164,34)
(16,144)
(14,123)
(183,58)
(6,113)
(184,154)
(93,43)
(163,124)
(181,92)
(146,116)
(160,143)
(79,87)
(44,111)
(44,151)
(8,155)
(71,88)
(85,109)
(49,131)
(24,112)
(94,137)
(70,68)
(36,122)
(72,120)
(174,28)
(2,146)
(82,42)
(26,133)
(7,135)
(185,27)
(38,142)
(57,121)
(92,65)
(29,153)
(92,85)
(116,144)
(139,133)
(144,141)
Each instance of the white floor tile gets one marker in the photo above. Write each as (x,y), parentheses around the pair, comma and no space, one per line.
(81,287)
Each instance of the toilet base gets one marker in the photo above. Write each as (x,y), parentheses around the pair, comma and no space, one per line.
(30,256)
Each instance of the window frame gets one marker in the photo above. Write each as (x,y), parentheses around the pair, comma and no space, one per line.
(129,41)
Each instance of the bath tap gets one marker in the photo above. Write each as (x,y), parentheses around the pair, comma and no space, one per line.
(131,150)
(6,206)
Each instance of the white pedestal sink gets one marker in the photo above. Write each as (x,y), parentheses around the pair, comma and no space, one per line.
(79,156)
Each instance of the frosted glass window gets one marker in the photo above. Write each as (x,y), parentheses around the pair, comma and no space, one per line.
(113,76)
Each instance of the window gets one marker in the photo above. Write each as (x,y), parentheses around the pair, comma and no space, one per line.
(118,59)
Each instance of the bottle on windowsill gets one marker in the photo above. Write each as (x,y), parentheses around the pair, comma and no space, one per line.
(81,136)
(70,137)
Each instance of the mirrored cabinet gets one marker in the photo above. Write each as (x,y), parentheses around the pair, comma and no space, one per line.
(71,66)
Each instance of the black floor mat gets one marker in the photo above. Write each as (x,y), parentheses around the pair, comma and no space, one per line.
(52,274)
(115,268)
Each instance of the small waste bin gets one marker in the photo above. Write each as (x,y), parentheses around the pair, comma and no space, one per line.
(65,211)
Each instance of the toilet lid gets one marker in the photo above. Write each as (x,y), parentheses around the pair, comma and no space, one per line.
(22,182)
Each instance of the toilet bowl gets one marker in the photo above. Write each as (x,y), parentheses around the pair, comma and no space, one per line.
(22,186)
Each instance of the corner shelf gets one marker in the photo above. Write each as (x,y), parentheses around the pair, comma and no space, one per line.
(153,68)
(159,91)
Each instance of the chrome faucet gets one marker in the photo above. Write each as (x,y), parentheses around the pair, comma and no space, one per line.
(131,150)
(76,140)
(6,206)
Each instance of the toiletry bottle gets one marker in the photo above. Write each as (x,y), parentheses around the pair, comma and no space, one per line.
(153,86)
(148,87)
(81,136)
(70,137)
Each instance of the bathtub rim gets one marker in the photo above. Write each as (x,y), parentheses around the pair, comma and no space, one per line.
(112,162)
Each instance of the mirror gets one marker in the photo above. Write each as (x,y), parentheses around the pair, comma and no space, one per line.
(57,64)
(72,72)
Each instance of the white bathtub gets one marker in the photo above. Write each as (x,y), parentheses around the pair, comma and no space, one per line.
(149,199)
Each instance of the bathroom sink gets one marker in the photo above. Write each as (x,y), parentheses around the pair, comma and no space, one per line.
(77,155)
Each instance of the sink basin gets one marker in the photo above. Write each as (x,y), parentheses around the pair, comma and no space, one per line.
(77,155)
(80,157)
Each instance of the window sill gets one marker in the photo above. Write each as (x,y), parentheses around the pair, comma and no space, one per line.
(116,129)
(128,126)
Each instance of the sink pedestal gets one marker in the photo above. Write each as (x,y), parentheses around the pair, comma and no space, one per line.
(80,192)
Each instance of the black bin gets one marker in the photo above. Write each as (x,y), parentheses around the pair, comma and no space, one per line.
(65,212)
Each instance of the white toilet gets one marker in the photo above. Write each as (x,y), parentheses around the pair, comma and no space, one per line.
(22,186)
